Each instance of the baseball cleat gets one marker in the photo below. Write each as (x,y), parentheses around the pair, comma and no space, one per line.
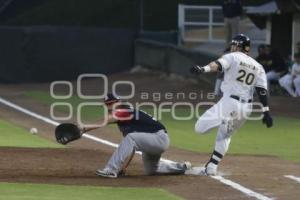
(205,172)
(208,170)
(106,173)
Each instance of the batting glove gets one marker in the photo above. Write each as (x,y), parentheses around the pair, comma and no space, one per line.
(196,70)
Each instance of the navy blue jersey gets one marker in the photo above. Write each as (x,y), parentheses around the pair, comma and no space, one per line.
(131,120)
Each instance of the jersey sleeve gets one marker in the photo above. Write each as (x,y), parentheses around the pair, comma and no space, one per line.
(226,61)
(261,80)
(122,114)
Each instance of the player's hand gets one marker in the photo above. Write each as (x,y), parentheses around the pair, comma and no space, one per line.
(267,119)
(196,70)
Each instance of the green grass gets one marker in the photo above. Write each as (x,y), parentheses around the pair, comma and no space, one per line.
(282,140)
(88,112)
(13,191)
(13,136)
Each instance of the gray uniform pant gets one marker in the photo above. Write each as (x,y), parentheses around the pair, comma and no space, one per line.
(152,145)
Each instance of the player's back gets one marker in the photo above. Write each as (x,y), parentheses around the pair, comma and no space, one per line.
(136,121)
(241,75)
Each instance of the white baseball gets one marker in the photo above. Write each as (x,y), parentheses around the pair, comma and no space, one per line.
(33,131)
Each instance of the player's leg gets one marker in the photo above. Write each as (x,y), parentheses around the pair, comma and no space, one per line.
(297,85)
(272,76)
(152,146)
(221,147)
(153,165)
(120,158)
(234,116)
(210,119)
(287,83)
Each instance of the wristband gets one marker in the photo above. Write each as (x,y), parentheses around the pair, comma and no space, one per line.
(207,68)
(265,109)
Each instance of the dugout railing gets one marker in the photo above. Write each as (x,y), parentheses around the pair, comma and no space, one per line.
(206,24)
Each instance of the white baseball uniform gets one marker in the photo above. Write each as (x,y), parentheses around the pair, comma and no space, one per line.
(241,75)
(292,80)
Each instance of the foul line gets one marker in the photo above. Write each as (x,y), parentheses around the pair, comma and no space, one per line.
(221,179)
(295,178)
(241,188)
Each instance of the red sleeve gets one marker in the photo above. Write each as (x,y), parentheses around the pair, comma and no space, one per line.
(122,114)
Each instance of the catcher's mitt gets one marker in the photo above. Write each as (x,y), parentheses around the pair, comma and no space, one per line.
(66,133)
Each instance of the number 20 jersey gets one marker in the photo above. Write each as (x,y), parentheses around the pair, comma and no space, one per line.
(241,75)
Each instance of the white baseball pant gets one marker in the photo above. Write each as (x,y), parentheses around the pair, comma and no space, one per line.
(228,115)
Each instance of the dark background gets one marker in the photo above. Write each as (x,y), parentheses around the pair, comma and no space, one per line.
(158,14)
(45,40)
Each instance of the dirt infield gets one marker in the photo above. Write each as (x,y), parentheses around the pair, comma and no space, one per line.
(76,165)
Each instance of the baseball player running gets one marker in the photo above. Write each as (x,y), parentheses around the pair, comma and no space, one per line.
(242,75)
(142,133)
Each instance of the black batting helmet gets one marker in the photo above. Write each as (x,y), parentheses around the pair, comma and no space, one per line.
(111,98)
(241,41)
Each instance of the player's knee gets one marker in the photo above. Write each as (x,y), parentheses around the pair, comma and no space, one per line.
(128,137)
(150,171)
(227,128)
(201,127)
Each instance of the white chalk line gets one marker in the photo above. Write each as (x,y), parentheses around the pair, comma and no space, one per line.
(241,188)
(221,179)
(295,178)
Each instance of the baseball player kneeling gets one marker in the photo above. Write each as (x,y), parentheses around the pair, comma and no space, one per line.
(242,76)
(142,133)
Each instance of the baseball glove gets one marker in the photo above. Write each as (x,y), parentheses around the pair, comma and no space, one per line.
(67,132)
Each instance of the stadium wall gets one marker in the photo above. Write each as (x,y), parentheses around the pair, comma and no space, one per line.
(46,53)
(170,58)
(157,15)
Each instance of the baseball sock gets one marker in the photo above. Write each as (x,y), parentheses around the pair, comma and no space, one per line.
(215,158)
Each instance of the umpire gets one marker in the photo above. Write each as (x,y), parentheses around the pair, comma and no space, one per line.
(142,133)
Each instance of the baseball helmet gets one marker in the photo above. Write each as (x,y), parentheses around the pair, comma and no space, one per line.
(111,98)
(241,41)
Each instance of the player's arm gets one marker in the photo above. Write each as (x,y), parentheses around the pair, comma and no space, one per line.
(262,92)
(112,117)
(220,65)
(263,98)
(214,66)
(103,122)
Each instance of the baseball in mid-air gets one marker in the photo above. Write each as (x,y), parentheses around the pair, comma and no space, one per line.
(33,131)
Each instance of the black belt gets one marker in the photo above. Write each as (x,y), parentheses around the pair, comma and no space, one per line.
(240,99)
